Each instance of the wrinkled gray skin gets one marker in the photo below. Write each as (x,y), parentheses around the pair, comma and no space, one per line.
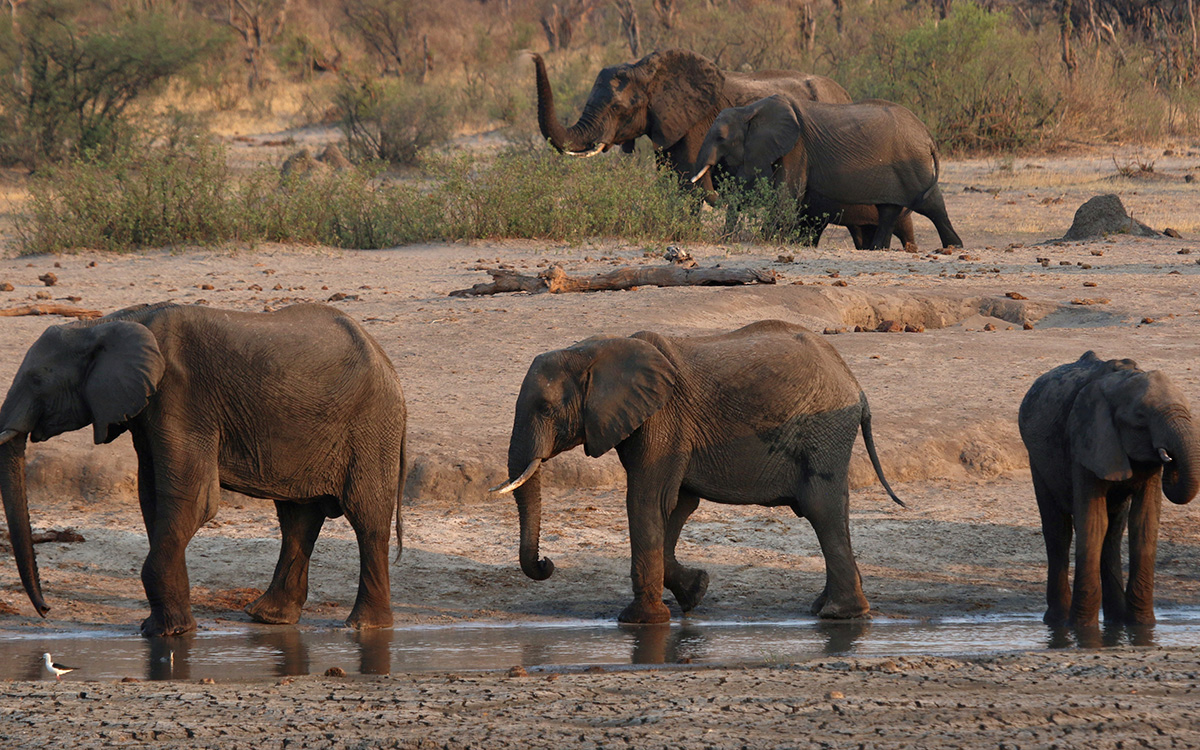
(764,415)
(872,152)
(300,406)
(671,96)
(1106,441)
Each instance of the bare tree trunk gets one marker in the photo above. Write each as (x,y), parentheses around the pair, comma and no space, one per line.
(1064,32)
(808,25)
(666,10)
(629,25)
(839,7)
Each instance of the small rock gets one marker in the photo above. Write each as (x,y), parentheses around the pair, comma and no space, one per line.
(788,258)
(1097,253)
(208,681)
(335,672)
(1027,326)
(1064,263)
(890,326)
(596,669)
(1189,178)
(517,671)
(914,328)
(1183,251)
(834,695)
(43,294)
(1147,321)
(1086,266)
(205,287)
(1089,283)
(337,297)
(834,331)
(130,679)
(990,327)
(48,278)
(1173,233)
(1090,301)
(92,264)
(840,282)
(1015,295)
(5,287)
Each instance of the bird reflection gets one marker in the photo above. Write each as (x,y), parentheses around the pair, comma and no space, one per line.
(169,657)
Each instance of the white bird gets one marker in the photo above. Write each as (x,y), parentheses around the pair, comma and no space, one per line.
(58,669)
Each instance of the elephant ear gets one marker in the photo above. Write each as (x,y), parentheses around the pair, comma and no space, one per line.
(628,381)
(685,89)
(1095,442)
(125,371)
(772,130)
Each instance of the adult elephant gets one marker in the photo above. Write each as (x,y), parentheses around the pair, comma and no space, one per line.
(873,152)
(764,415)
(300,406)
(672,96)
(1106,440)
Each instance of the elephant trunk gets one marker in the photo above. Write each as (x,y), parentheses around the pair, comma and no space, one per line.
(529,508)
(581,139)
(16,509)
(705,160)
(1181,467)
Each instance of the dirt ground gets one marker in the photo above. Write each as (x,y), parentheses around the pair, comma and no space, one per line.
(944,404)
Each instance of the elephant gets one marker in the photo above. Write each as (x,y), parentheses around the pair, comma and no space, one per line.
(763,415)
(872,152)
(1106,441)
(300,406)
(672,96)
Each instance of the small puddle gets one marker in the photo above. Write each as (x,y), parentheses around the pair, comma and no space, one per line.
(264,652)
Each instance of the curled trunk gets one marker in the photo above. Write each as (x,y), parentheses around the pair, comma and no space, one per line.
(1181,477)
(529,508)
(579,139)
(16,509)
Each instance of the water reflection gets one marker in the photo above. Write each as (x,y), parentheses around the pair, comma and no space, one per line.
(262,652)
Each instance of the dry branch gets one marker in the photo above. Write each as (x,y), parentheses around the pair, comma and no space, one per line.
(556,281)
(70,312)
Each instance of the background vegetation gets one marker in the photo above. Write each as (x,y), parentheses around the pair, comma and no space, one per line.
(91,94)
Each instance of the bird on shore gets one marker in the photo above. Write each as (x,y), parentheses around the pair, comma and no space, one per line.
(57,669)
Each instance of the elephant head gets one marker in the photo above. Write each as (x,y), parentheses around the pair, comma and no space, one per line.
(1130,416)
(595,393)
(662,96)
(748,140)
(74,375)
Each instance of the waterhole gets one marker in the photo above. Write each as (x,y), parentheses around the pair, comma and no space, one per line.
(268,652)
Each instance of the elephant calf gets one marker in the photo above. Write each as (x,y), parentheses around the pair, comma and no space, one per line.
(764,415)
(1106,440)
(300,406)
(872,152)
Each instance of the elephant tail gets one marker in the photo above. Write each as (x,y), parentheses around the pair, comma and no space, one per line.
(937,173)
(869,439)
(400,495)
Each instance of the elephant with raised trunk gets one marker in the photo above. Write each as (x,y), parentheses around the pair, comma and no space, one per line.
(671,96)
(764,415)
(1106,441)
(872,152)
(300,406)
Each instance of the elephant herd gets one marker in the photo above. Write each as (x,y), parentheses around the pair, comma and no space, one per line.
(301,406)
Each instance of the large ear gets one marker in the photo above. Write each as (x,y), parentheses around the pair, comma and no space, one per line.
(629,380)
(684,89)
(1095,442)
(125,371)
(772,130)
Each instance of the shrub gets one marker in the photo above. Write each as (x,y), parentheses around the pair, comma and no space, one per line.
(392,120)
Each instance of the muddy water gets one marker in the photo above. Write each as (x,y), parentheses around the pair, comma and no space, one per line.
(263,652)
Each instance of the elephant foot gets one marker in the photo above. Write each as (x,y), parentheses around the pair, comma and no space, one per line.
(1056,618)
(161,624)
(1140,618)
(267,609)
(689,589)
(642,613)
(828,608)
(365,618)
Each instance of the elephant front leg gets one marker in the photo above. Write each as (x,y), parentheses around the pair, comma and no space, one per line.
(300,524)
(687,584)
(1112,575)
(648,507)
(1091,524)
(1056,532)
(1143,548)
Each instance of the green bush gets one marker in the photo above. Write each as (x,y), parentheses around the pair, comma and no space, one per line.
(393,120)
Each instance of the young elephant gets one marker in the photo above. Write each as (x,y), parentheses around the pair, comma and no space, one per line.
(764,415)
(1106,441)
(871,152)
(300,406)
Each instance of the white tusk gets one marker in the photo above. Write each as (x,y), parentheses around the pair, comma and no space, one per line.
(700,174)
(584,154)
(1166,457)
(8,435)
(506,488)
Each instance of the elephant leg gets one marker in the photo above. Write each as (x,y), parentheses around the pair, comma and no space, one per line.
(825,502)
(1143,548)
(1112,575)
(370,513)
(904,232)
(933,206)
(859,234)
(1091,523)
(147,497)
(888,215)
(188,493)
(687,584)
(299,524)
(651,497)
(1056,532)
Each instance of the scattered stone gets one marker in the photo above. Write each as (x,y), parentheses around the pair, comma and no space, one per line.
(1103,215)
(1189,178)
(48,278)
(517,671)
(205,287)
(1015,295)
(786,258)
(841,282)
(92,264)
(1064,263)
(890,326)
(1147,321)
(1173,233)
(914,328)
(833,331)
(1089,283)
(1183,251)
(43,294)
(130,679)
(6,287)
(1027,326)
(990,327)
(1097,253)
(960,275)
(335,672)
(208,681)
(834,695)
(596,669)
(1090,301)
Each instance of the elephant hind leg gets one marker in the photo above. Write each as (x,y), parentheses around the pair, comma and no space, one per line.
(904,232)
(888,216)
(300,524)
(687,584)
(369,511)
(825,502)
(933,206)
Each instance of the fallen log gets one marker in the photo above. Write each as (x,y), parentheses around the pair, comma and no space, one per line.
(65,310)
(556,281)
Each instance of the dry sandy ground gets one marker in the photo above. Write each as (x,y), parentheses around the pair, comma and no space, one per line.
(944,403)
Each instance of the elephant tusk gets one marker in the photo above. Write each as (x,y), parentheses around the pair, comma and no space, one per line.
(509,487)
(1162,454)
(8,435)
(592,152)
(700,174)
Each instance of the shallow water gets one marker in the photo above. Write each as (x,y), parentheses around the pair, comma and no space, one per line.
(263,652)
